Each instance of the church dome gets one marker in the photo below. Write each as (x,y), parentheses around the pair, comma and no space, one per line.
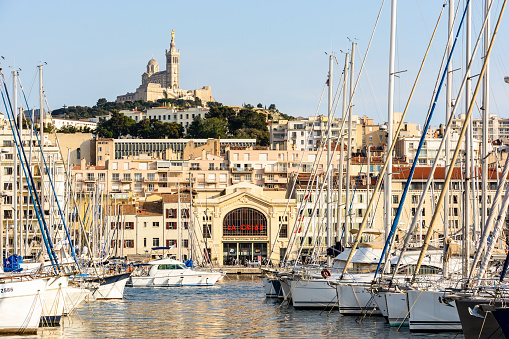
(152,66)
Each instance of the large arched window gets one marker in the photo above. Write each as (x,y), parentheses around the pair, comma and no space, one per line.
(245,221)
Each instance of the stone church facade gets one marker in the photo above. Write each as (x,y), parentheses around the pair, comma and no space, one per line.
(165,84)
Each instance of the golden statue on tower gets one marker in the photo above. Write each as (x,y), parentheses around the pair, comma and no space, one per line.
(172,35)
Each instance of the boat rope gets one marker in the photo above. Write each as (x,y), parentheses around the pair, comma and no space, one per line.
(395,221)
(429,182)
(460,141)
(31,184)
(73,252)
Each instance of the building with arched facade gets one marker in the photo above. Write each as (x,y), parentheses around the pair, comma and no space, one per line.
(242,222)
(165,84)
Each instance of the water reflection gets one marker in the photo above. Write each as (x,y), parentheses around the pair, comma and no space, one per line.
(235,307)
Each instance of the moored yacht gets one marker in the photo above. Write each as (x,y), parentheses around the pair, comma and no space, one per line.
(173,273)
(21,299)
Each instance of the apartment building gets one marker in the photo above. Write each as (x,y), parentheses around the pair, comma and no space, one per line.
(143,175)
(238,222)
(183,117)
(498,128)
(134,229)
(407,147)
(24,218)
(305,134)
(168,149)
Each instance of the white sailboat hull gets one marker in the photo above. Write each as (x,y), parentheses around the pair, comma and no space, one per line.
(111,287)
(73,297)
(268,287)
(428,314)
(21,305)
(397,308)
(314,293)
(355,299)
(379,298)
(54,300)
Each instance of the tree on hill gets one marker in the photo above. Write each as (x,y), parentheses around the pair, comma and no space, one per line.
(221,112)
(247,118)
(207,128)
(119,125)
(155,129)
(262,137)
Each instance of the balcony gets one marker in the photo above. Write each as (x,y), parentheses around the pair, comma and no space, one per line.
(243,169)
(127,179)
(276,169)
(151,179)
(163,179)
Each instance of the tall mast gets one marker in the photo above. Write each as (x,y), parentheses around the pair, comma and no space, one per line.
(348,218)
(485,111)
(390,118)
(446,136)
(468,148)
(29,196)
(22,246)
(41,137)
(15,167)
(179,216)
(328,175)
(342,156)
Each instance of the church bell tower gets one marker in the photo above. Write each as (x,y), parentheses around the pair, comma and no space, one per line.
(173,65)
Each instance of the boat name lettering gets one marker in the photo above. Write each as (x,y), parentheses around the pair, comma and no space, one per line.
(245,227)
(6,289)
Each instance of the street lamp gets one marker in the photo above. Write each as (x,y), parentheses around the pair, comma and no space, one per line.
(506,79)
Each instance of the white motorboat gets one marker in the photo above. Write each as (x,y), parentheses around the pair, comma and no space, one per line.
(173,273)
(21,300)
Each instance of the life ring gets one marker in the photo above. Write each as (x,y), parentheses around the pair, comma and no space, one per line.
(326,273)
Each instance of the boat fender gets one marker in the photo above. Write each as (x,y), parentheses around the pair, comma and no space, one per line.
(325,273)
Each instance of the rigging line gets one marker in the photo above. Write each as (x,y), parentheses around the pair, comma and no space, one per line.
(389,152)
(356,184)
(360,72)
(314,176)
(426,28)
(344,120)
(31,186)
(73,252)
(292,240)
(32,84)
(16,133)
(80,220)
(460,140)
(373,96)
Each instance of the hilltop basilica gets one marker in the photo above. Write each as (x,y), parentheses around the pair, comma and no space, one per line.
(165,84)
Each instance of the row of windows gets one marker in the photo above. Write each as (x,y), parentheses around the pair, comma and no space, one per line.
(165,117)
(129,243)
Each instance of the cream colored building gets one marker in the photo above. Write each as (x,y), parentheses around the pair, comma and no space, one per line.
(238,222)
(26,213)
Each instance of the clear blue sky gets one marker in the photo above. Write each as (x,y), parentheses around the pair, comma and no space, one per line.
(249,52)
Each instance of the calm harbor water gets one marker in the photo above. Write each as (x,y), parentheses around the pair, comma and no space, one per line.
(236,307)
